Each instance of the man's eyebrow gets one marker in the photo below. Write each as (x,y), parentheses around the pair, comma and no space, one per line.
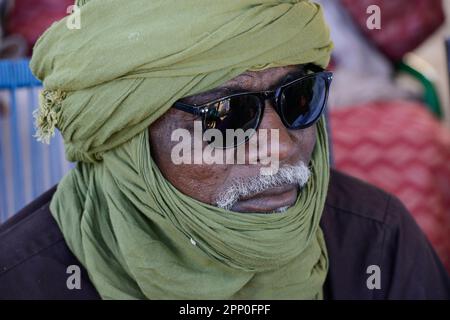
(289,77)
(213,94)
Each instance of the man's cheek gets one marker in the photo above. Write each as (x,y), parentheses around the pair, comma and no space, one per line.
(211,175)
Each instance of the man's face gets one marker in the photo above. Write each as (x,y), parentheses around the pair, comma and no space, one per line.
(210,182)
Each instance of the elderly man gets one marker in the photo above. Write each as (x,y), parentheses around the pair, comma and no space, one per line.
(152,213)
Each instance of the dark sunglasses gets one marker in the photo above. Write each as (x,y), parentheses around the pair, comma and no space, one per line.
(299,103)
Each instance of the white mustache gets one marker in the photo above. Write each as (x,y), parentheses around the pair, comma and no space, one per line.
(245,187)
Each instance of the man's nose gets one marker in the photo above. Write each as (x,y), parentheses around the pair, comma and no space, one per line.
(287,146)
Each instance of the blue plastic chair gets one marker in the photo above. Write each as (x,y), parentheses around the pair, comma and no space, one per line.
(27,167)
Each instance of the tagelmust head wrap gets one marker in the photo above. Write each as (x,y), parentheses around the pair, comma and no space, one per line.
(106,82)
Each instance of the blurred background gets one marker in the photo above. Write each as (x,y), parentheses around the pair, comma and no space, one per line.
(389,109)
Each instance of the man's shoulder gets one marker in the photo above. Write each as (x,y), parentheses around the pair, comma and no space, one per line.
(29,231)
(34,257)
(365,228)
(351,196)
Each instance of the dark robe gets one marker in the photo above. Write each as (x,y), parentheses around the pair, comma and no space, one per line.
(363,227)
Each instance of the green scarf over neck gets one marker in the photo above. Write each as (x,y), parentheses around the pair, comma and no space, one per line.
(136,234)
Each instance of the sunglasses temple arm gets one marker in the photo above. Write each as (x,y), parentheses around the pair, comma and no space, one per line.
(188,108)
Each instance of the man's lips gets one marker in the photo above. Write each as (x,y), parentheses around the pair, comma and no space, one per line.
(268,201)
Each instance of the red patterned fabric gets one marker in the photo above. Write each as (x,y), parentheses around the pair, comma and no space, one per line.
(405,24)
(399,147)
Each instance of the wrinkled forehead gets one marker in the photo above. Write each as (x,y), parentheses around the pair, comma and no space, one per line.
(262,80)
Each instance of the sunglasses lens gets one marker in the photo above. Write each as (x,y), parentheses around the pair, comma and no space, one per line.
(239,113)
(302,102)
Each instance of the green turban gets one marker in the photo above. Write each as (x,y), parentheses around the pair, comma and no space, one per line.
(105,83)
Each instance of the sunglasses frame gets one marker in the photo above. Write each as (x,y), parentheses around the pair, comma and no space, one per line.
(203,109)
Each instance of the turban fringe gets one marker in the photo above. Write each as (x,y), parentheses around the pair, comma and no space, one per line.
(133,231)
(120,72)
